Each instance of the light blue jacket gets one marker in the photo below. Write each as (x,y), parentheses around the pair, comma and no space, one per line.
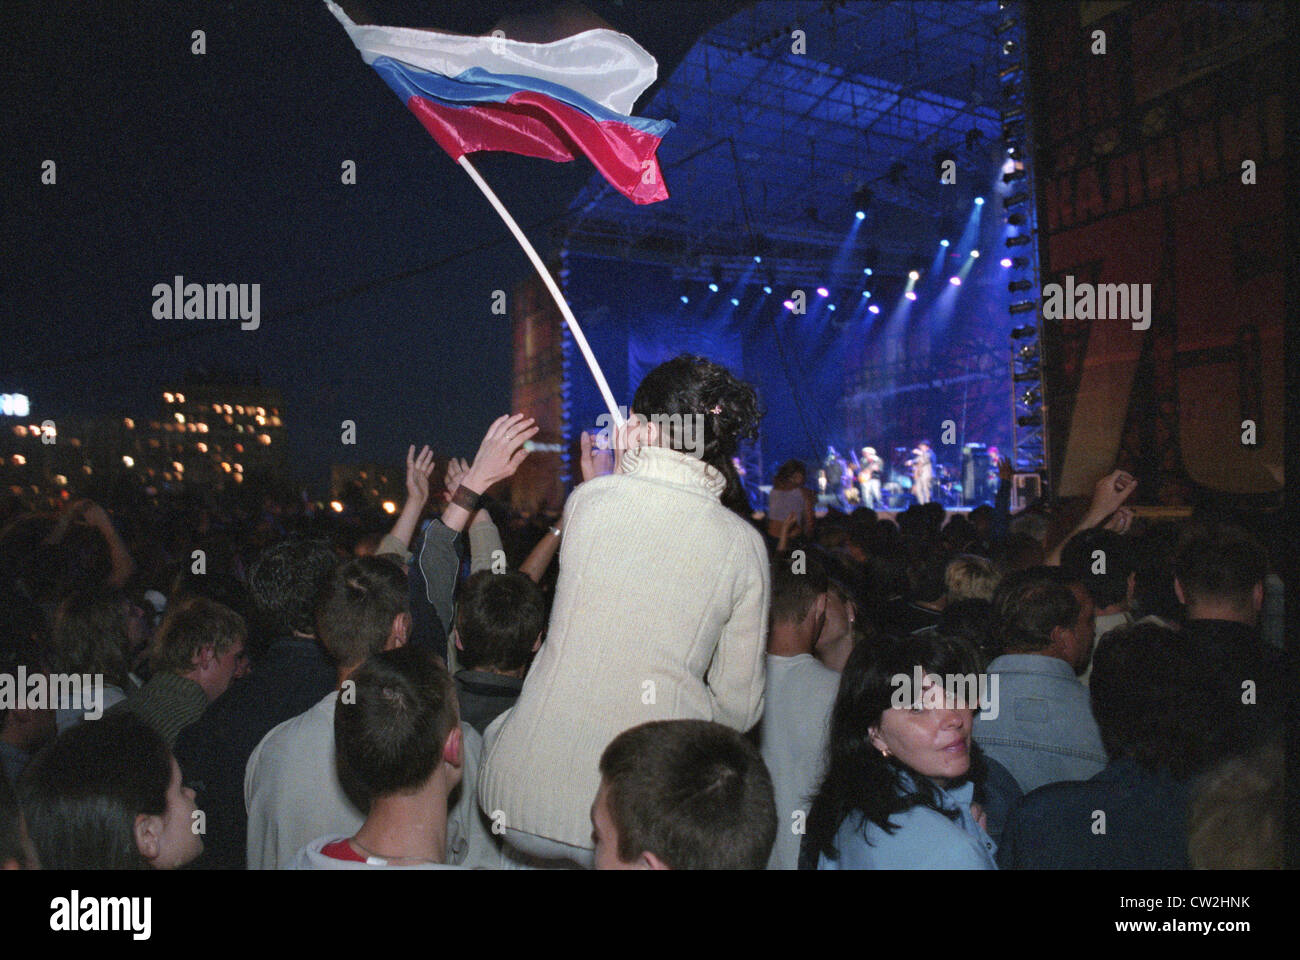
(925,839)
(1043,731)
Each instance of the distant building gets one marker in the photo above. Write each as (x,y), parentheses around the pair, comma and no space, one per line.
(217,433)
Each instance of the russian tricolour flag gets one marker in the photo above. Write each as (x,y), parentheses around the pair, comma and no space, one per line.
(538,99)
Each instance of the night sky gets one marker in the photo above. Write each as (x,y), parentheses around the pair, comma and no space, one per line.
(226,168)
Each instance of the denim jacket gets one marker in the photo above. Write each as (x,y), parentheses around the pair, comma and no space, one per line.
(1043,731)
(925,839)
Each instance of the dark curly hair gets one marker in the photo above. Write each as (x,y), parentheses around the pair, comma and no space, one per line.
(285,582)
(690,385)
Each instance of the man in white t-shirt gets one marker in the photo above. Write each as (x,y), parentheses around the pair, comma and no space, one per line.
(800,692)
(292,790)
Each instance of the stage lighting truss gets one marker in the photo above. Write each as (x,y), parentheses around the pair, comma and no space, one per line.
(1028,395)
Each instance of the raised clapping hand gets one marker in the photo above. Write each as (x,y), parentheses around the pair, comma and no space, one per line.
(418,469)
(456,468)
(501,452)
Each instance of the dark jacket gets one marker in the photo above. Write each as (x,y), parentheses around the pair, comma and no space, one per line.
(485,696)
(213,752)
(1058,827)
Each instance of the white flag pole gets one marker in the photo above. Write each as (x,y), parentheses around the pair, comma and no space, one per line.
(551,285)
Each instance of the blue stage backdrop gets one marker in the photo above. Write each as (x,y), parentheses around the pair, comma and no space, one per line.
(844,377)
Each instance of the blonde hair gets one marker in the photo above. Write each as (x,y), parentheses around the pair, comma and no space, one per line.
(968,577)
(1235,820)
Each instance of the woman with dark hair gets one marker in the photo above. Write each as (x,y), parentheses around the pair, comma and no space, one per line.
(899,783)
(107,795)
(660,610)
(790,502)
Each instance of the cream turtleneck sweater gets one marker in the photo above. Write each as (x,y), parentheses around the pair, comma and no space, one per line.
(660,612)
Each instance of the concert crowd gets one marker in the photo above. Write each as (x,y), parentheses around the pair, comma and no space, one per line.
(670,674)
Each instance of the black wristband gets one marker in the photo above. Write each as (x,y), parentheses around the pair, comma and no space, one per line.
(467,498)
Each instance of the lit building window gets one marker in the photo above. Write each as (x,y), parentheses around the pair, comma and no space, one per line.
(239,448)
(264,440)
(216,408)
(336,506)
(229,409)
(128,462)
(239,410)
(239,478)
(19,460)
(261,411)
(390,507)
(129,423)
(178,466)
(167,397)
(20,431)
(239,468)
(203,428)
(225,466)
(261,420)
(61,480)
(201,447)
(180,417)
(228,418)
(180,398)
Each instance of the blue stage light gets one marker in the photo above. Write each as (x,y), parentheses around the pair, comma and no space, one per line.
(757,258)
(861,215)
(867,270)
(685,298)
(1005,261)
(713,288)
(830,306)
(979,201)
(767,289)
(955,281)
(943,243)
(911,294)
(823,292)
(975,254)
(873,309)
(735,302)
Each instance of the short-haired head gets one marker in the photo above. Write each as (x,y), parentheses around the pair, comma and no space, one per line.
(1145,700)
(1219,564)
(1102,560)
(696,795)
(285,582)
(499,620)
(192,626)
(393,731)
(362,608)
(797,582)
(1029,605)
(968,577)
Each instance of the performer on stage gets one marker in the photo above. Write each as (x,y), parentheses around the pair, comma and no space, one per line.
(871,468)
(922,464)
(836,471)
